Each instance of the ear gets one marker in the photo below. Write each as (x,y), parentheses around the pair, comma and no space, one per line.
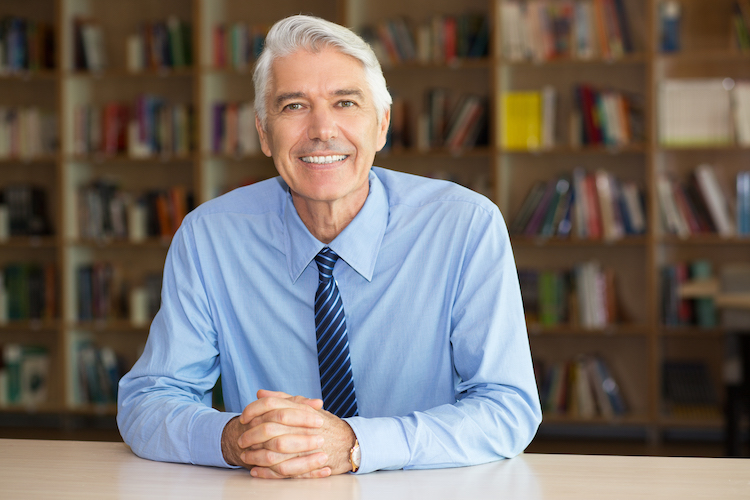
(263,136)
(383,128)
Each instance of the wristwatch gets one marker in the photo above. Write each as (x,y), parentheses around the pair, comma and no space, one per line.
(355,456)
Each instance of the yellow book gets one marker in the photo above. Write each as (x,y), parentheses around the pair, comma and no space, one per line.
(522,120)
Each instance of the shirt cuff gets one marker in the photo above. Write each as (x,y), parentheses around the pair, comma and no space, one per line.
(205,442)
(382,443)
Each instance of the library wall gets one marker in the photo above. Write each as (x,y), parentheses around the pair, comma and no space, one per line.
(586,121)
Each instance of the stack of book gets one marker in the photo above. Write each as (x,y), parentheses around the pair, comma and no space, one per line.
(28,291)
(704,204)
(704,112)
(23,211)
(234,130)
(587,205)
(24,375)
(26,45)
(439,39)
(151,126)
(107,212)
(27,133)
(99,372)
(583,387)
(584,296)
(582,29)
(160,45)
(89,53)
(606,117)
(444,124)
(679,311)
(688,391)
(237,45)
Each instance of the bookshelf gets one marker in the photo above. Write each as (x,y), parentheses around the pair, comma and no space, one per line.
(208,89)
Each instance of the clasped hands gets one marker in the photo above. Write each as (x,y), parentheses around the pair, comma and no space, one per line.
(281,436)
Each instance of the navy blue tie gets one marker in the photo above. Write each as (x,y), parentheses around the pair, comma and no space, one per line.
(336,382)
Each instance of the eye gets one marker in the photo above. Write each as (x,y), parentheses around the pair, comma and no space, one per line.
(294,106)
(347,104)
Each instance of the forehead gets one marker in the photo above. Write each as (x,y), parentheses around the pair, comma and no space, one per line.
(327,68)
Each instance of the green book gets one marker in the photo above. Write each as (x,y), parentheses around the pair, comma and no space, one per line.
(705,308)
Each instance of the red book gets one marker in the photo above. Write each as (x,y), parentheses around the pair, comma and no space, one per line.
(594,222)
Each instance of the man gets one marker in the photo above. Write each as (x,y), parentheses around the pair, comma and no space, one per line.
(361,319)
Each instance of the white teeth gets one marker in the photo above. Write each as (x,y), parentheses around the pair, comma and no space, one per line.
(320,160)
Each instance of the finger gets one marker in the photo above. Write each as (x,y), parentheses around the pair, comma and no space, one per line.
(266,473)
(291,417)
(264,405)
(315,404)
(263,393)
(261,434)
(293,467)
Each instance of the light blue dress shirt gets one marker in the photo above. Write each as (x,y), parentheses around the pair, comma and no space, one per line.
(439,349)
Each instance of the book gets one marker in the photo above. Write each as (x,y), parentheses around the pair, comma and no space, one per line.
(694,111)
(716,199)
(688,390)
(521,120)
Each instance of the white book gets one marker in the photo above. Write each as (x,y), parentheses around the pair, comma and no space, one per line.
(93,46)
(715,199)
(248,134)
(671,216)
(741,110)
(549,107)
(134,56)
(138,306)
(511,20)
(633,206)
(695,111)
(137,221)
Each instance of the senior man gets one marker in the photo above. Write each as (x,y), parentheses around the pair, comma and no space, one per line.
(360,318)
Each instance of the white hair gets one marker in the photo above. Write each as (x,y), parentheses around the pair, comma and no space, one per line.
(313,33)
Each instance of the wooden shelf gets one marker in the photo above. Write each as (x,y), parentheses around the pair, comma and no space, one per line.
(115,244)
(29,242)
(554,241)
(705,239)
(580,150)
(109,325)
(629,419)
(636,58)
(701,56)
(578,330)
(117,73)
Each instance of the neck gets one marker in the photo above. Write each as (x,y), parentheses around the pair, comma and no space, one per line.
(326,219)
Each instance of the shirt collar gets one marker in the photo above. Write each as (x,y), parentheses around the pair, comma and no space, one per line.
(357,245)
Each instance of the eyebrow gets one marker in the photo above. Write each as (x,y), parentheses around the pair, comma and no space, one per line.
(289,96)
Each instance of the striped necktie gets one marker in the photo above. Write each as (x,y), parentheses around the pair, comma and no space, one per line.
(336,382)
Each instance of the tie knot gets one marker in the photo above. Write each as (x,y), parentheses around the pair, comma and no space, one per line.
(326,259)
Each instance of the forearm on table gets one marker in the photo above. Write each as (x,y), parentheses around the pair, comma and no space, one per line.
(469,432)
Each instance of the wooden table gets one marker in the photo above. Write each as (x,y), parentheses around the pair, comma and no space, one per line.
(79,470)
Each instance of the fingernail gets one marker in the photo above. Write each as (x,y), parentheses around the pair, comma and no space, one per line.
(242,457)
(321,441)
(322,459)
(253,473)
(319,422)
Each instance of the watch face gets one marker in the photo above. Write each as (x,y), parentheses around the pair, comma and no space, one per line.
(356,456)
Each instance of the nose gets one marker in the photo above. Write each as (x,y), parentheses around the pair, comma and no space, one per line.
(322,125)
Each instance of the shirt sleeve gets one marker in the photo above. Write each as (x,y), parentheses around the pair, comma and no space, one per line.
(497,409)
(164,402)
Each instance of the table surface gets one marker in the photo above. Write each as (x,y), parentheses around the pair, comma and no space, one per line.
(80,470)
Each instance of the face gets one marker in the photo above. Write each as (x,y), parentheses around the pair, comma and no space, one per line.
(322,129)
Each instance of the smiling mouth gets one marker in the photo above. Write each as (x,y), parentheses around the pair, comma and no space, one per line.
(323,160)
